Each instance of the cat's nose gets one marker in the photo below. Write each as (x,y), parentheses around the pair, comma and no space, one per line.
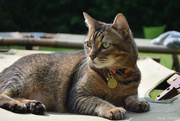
(92,57)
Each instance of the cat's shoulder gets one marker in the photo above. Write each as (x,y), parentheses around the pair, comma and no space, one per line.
(70,54)
(55,54)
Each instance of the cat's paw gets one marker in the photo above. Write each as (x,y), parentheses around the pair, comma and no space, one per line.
(36,107)
(139,107)
(116,113)
(15,106)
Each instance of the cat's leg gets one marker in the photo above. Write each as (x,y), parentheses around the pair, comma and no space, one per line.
(11,104)
(95,106)
(132,104)
(33,106)
(20,105)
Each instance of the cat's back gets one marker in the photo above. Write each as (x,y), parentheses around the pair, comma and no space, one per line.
(61,63)
(68,59)
(41,60)
(39,75)
(44,65)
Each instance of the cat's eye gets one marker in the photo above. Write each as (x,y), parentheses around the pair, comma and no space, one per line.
(89,44)
(105,45)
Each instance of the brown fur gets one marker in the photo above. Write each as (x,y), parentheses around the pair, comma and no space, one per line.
(76,82)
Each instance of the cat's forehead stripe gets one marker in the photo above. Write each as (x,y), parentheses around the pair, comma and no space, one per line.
(98,35)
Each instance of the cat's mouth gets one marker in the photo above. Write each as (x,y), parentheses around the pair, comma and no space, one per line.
(97,65)
(101,64)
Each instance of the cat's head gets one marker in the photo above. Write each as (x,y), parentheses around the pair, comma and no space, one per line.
(110,45)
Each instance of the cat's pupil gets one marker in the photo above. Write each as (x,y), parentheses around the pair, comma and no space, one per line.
(105,45)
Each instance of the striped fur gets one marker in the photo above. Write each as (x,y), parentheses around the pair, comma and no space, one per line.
(76,82)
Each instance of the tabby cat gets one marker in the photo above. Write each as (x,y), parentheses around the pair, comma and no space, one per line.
(101,80)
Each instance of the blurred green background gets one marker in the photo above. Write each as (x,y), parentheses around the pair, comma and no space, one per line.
(65,16)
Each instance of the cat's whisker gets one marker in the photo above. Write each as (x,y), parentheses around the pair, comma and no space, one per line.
(77,68)
(81,64)
(81,71)
(129,54)
(104,72)
(133,56)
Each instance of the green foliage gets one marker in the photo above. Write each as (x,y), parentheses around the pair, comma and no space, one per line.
(66,15)
(165,59)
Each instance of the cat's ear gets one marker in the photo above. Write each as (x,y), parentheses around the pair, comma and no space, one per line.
(120,24)
(90,22)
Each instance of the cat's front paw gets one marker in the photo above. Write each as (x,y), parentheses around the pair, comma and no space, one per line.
(139,107)
(116,113)
(15,106)
(36,107)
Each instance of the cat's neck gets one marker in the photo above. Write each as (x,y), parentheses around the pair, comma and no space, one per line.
(120,71)
(104,72)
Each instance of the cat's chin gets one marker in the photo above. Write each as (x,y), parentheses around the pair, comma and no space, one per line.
(98,66)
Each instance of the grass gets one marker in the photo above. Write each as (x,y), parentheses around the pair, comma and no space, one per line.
(165,59)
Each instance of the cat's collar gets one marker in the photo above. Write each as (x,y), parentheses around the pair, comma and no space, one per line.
(120,71)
